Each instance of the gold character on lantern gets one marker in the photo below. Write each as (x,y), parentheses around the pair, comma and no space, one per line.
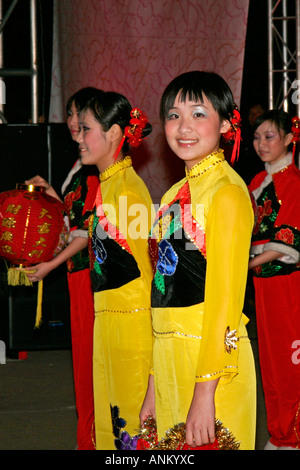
(45,213)
(13,208)
(36,253)
(44,228)
(7,236)
(41,241)
(7,249)
(9,222)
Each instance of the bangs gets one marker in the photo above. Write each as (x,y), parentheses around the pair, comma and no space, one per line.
(194,86)
(184,93)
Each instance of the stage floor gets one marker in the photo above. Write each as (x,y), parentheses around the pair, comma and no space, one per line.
(37,403)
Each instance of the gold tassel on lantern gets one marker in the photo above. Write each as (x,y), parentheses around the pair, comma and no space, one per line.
(38,318)
(17,277)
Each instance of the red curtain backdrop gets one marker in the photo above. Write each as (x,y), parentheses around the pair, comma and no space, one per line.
(136,47)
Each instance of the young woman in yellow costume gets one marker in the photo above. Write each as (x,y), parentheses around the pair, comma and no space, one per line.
(120,268)
(203,367)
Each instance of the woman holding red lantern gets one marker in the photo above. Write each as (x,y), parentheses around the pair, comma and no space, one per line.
(120,267)
(79,191)
(276,270)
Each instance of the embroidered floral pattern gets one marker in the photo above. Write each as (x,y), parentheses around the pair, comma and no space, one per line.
(123,439)
(166,264)
(70,264)
(285,235)
(257,270)
(262,211)
(167,258)
(71,197)
(98,249)
(173,217)
(270,227)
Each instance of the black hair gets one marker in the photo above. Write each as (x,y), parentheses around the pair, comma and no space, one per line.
(278,117)
(192,86)
(80,98)
(108,108)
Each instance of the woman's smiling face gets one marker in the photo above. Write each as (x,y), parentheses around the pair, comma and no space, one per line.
(94,145)
(73,121)
(193,129)
(271,143)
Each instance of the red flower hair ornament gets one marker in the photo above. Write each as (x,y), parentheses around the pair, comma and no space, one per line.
(234,134)
(296,133)
(134,132)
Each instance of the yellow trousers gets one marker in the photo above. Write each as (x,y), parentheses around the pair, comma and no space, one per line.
(175,357)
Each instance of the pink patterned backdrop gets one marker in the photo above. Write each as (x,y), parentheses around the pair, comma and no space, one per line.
(136,47)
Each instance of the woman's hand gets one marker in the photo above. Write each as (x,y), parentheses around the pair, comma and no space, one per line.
(39,181)
(38,272)
(200,423)
(41,270)
(265,257)
(148,407)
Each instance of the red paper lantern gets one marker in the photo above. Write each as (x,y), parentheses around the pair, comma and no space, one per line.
(32,229)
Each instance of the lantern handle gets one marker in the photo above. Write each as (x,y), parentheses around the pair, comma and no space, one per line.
(31,188)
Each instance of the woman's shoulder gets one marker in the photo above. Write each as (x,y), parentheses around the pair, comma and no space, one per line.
(257,180)
(172,192)
(132,185)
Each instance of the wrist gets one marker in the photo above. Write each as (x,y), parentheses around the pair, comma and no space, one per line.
(205,389)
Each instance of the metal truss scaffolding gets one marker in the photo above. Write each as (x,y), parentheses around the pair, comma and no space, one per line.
(284,60)
(32,71)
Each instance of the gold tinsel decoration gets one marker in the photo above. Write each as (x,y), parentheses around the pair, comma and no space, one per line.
(17,277)
(175,438)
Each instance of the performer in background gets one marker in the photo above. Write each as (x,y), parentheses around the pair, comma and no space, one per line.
(120,267)
(79,192)
(276,270)
(203,365)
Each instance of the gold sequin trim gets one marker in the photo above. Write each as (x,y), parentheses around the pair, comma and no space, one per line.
(205,169)
(213,374)
(196,169)
(107,310)
(282,170)
(179,333)
(109,172)
(93,435)
(296,425)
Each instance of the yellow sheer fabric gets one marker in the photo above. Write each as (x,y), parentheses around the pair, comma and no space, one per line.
(190,342)
(123,331)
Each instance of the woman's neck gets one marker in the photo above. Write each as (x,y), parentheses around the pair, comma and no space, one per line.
(106,163)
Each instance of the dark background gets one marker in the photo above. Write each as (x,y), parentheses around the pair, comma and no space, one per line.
(16,55)
(16,38)
(26,150)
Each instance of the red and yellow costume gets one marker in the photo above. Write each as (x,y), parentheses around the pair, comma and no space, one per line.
(79,192)
(200,244)
(277,296)
(121,278)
